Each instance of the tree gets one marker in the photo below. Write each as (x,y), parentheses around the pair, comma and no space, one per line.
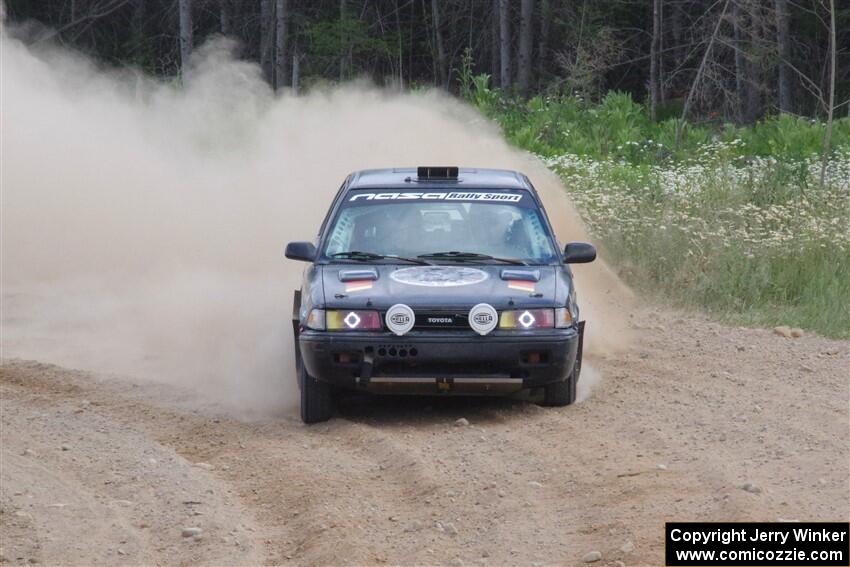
(281,38)
(827,137)
(700,71)
(783,46)
(545,27)
(225,17)
(495,36)
(266,38)
(742,82)
(440,64)
(768,54)
(186,36)
(342,58)
(654,55)
(296,72)
(525,46)
(505,43)
(137,23)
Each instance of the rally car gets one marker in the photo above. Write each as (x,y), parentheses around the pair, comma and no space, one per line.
(436,280)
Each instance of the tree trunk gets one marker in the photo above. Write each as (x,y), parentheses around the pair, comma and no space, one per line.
(266,38)
(342,54)
(687,106)
(450,38)
(742,97)
(525,37)
(281,18)
(783,45)
(505,43)
(400,48)
(296,72)
(753,71)
(137,22)
(495,63)
(186,37)
(440,63)
(137,25)
(827,137)
(678,52)
(654,55)
(225,17)
(754,87)
(662,48)
(545,26)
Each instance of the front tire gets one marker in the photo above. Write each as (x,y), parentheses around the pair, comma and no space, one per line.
(559,394)
(316,398)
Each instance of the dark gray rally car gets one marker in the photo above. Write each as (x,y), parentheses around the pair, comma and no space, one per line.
(436,280)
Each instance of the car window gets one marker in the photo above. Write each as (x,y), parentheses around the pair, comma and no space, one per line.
(412,227)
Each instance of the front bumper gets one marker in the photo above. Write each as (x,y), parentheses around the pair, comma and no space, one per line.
(441,362)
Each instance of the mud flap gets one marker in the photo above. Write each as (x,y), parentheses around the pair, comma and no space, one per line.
(580,349)
(296,328)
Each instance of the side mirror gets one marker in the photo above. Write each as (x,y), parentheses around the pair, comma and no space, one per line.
(579,253)
(304,251)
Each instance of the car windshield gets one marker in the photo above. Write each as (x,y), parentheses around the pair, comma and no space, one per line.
(480,226)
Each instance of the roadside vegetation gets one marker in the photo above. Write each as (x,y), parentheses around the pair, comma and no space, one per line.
(732,220)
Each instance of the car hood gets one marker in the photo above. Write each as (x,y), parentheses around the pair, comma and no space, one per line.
(351,286)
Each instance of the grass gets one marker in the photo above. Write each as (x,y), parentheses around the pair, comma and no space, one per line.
(733,221)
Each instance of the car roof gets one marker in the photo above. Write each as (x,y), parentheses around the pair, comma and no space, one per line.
(403,177)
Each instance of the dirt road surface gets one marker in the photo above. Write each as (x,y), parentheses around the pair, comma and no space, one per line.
(696,421)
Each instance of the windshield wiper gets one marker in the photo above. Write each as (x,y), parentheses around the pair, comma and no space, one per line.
(359,256)
(470,256)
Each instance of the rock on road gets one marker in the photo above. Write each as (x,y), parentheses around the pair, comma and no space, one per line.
(696,421)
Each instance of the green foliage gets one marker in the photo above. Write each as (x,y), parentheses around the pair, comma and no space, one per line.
(465,76)
(479,94)
(734,222)
(619,129)
(342,36)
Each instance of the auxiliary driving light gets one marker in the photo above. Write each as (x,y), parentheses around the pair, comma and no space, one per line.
(400,319)
(483,318)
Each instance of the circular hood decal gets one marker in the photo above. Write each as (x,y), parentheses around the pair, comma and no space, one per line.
(439,276)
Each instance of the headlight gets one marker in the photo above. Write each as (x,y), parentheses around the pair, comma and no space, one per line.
(344,320)
(527,319)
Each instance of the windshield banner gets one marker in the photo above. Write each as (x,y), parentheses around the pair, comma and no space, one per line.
(468,196)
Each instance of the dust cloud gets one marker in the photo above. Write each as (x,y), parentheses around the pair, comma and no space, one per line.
(143,224)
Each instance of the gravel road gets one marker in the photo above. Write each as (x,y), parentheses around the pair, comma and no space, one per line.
(695,421)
